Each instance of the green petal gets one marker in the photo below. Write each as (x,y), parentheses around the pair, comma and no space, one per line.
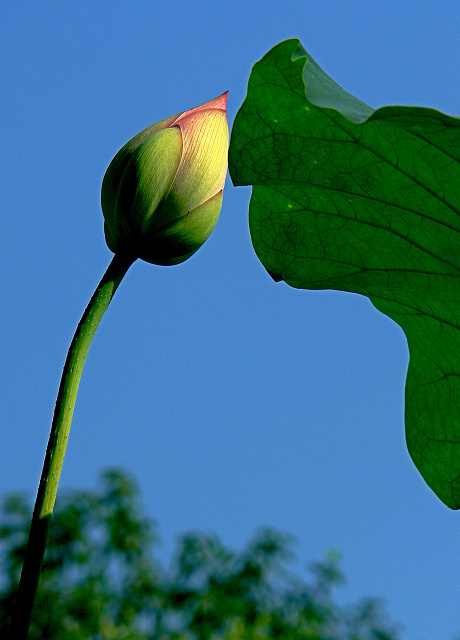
(153,167)
(119,163)
(179,240)
(146,180)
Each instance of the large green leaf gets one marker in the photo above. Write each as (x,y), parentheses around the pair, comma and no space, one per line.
(350,198)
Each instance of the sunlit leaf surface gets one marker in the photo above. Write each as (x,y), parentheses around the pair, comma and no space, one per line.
(350,198)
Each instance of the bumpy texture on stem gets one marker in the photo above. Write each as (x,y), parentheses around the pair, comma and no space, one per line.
(57,443)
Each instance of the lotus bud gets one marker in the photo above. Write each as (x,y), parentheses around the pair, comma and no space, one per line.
(162,192)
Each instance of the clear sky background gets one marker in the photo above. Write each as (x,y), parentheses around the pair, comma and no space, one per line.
(236,402)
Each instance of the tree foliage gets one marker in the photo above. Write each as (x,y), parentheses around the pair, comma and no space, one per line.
(101,580)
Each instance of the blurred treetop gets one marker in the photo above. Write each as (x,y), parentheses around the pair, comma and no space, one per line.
(101,580)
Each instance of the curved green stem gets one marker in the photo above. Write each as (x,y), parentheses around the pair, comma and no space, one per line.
(57,442)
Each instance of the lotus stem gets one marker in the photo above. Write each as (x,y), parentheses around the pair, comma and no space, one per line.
(57,443)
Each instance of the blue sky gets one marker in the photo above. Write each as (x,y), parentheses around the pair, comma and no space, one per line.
(236,402)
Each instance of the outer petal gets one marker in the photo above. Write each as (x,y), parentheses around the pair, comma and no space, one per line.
(179,240)
(204,160)
(146,180)
(118,165)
